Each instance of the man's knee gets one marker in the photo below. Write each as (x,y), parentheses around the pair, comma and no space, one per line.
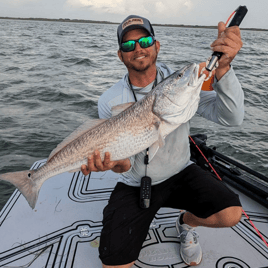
(230,216)
(237,214)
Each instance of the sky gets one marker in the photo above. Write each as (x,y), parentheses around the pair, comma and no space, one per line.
(188,12)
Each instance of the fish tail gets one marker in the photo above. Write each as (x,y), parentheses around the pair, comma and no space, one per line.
(24,182)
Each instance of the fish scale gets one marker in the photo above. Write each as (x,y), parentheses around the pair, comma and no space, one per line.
(134,128)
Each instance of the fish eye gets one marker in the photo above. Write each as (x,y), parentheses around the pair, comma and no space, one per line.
(29,175)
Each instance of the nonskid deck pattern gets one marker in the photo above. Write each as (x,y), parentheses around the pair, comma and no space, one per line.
(64,229)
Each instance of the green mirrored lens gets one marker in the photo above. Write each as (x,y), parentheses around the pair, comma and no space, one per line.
(143,41)
(129,45)
(146,41)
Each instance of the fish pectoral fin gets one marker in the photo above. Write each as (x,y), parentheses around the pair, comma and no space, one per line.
(86,126)
(158,124)
(153,150)
(120,108)
(158,144)
(161,139)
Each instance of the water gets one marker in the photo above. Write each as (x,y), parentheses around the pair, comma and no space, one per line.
(52,74)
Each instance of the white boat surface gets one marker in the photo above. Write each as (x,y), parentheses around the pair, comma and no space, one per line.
(63,230)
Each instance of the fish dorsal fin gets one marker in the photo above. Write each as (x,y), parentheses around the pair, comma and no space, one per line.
(89,124)
(120,108)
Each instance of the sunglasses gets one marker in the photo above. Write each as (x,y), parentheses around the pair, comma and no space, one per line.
(144,42)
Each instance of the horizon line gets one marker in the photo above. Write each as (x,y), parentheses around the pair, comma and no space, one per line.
(109,22)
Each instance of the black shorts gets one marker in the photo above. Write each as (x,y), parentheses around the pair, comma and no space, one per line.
(125,224)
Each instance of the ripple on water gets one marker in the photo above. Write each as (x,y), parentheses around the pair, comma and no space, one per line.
(53,74)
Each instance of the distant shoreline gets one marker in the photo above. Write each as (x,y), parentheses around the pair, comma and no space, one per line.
(108,22)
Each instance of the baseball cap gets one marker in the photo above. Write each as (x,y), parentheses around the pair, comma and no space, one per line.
(133,22)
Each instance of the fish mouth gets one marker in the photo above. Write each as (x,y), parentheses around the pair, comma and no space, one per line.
(193,70)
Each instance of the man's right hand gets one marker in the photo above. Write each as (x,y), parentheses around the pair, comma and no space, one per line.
(95,164)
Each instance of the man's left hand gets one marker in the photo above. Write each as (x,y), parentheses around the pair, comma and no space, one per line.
(229,43)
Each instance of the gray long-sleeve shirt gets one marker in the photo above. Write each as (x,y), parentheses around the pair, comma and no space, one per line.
(224,105)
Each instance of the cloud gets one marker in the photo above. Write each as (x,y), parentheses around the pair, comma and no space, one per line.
(164,8)
(189,4)
(21,2)
(97,5)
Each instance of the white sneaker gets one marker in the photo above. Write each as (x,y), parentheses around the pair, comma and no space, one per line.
(190,249)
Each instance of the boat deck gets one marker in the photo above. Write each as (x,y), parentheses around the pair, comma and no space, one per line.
(64,229)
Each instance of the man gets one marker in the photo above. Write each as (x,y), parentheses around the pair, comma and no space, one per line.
(176,181)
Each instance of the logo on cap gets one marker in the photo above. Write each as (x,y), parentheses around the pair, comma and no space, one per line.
(132,21)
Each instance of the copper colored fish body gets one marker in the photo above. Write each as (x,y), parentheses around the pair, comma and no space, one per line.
(133,128)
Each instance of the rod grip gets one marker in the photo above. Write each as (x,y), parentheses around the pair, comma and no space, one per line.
(236,21)
(239,16)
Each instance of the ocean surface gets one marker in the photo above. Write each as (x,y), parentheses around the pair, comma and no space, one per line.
(52,74)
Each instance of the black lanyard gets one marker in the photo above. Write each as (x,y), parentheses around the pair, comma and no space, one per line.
(145,189)
(146,158)
(154,85)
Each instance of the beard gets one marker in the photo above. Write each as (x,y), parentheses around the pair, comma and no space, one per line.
(142,66)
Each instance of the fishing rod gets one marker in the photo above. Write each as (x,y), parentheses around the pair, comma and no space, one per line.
(212,62)
(235,173)
(198,143)
(211,65)
(213,152)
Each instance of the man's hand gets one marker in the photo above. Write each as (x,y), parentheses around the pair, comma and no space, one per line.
(95,164)
(229,43)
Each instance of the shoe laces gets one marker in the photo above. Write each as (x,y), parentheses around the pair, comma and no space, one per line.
(186,236)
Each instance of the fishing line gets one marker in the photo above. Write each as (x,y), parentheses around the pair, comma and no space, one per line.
(253,225)
(230,18)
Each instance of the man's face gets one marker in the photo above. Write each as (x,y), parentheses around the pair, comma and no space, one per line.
(140,59)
